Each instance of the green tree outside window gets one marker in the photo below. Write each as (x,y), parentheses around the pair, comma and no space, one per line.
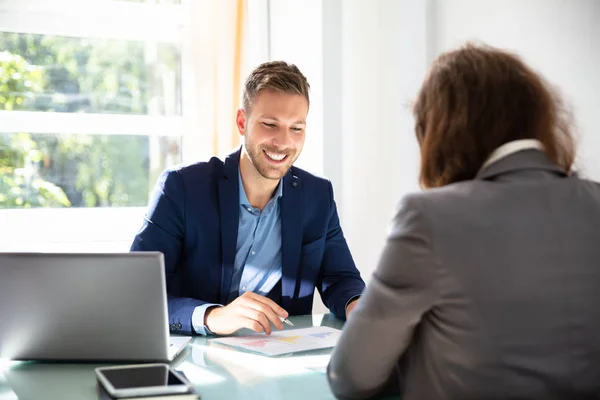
(60,74)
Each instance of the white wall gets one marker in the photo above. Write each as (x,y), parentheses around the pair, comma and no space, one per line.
(295,37)
(559,38)
(383,61)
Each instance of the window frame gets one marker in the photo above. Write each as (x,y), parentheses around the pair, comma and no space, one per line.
(158,22)
(105,229)
(109,229)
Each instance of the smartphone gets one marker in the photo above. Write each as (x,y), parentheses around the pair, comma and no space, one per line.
(142,380)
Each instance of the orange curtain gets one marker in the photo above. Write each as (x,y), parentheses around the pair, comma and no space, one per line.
(241,29)
(218,63)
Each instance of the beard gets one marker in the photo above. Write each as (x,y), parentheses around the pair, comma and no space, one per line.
(266,169)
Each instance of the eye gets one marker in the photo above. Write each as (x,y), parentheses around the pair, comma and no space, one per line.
(296,129)
(268,125)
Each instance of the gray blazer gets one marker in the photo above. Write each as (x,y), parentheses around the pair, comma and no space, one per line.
(486,289)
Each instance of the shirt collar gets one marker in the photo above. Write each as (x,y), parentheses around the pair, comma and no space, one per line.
(244,199)
(512,147)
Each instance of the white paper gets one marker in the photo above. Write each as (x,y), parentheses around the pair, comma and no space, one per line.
(287,341)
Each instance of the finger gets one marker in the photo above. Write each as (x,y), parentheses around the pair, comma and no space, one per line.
(270,303)
(257,316)
(264,310)
(267,306)
(251,324)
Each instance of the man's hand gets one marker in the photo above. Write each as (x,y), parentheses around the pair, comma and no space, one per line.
(250,310)
(350,307)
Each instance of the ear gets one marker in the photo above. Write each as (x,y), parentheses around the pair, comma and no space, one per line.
(241,121)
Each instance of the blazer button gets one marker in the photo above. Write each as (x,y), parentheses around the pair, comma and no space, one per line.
(295,184)
(179,325)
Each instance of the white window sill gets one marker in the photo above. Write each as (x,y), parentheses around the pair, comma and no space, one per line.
(69,230)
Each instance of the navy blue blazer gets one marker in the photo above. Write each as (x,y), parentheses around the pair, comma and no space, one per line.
(193,220)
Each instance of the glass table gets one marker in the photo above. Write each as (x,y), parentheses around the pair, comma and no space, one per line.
(217,372)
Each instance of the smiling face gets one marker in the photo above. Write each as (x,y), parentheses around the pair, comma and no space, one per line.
(274,132)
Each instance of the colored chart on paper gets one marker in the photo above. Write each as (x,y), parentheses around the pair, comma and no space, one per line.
(287,341)
(257,343)
(320,335)
(291,339)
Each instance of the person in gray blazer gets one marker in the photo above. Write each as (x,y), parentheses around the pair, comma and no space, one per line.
(488,286)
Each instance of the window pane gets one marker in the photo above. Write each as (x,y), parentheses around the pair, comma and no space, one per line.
(56,73)
(48,170)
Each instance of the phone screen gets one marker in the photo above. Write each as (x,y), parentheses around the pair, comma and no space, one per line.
(141,377)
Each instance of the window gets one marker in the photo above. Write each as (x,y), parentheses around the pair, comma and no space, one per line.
(90,114)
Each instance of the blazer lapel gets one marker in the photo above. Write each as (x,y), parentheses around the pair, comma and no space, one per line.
(229,212)
(291,238)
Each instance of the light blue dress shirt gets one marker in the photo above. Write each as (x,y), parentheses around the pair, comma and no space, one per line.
(257,266)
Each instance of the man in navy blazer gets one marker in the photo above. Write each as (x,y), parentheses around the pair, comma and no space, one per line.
(246,241)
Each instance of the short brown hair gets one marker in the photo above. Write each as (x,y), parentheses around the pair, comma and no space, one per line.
(474,100)
(275,75)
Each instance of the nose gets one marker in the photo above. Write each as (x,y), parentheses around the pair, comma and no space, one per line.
(283,138)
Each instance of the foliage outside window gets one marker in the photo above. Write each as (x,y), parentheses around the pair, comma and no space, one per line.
(53,74)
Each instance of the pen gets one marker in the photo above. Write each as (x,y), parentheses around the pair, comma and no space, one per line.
(285,321)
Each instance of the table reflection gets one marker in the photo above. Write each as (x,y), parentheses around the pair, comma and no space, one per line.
(217,371)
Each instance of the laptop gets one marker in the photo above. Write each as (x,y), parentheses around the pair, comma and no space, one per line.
(85,307)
